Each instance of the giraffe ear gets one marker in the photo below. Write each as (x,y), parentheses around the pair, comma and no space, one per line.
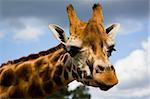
(112,32)
(59,33)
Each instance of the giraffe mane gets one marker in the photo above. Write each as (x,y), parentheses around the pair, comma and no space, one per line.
(33,56)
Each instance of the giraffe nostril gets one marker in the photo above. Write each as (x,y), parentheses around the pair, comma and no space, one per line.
(97,71)
(101,68)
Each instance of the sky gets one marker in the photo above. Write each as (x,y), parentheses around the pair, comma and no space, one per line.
(24,30)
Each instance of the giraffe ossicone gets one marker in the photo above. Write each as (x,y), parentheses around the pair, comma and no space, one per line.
(84,57)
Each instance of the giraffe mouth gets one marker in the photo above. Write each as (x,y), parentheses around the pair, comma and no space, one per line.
(105,87)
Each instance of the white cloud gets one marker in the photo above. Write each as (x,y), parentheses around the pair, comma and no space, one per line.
(28,33)
(120,94)
(134,66)
(1,34)
(129,26)
(133,71)
(146,45)
(32,30)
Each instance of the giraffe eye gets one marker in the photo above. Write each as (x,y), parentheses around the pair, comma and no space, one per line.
(73,50)
(110,50)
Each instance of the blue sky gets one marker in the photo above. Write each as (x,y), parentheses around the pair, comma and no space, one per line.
(24,30)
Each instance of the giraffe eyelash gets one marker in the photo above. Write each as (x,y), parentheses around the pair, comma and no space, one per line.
(110,50)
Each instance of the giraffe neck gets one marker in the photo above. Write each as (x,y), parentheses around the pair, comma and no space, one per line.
(37,78)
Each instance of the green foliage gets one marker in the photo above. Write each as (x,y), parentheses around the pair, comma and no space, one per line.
(81,92)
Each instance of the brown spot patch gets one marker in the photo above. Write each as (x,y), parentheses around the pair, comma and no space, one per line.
(84,73)
(7,77)
(59,70)
(74,67)
(74,74)
(23,72)
(1,69)
(57,80)
(55,58)
(68,67)
(93,47)
(35,90)
(61,57)
(40,65)
(40,62)
(79,72)
(57,55)
(50,56)
(66,75)
(48,86)
(16,92)
(45,74)
(65,58)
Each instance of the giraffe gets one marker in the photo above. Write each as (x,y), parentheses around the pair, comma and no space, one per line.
(84,57)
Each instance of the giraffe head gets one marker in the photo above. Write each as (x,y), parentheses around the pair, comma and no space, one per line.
(89,47)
